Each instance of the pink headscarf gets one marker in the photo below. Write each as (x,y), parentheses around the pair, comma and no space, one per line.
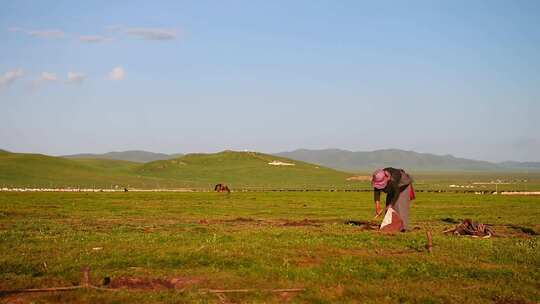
(380,179)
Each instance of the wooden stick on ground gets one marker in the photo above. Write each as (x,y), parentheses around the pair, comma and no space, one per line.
(287,290)
(429,245)
(228,290)
(449,230)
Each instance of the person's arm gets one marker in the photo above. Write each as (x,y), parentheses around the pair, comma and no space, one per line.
(377,199)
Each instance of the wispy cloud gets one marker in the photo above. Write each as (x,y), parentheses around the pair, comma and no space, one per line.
(118,73)
(146,33)
(75,77)
(39,33)
(93,39)
(47,33)
(44,78)
(9,77)
(151,33)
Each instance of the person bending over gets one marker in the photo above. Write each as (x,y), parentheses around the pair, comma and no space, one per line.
(397,185)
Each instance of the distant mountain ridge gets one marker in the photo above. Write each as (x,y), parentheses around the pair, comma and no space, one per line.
(369,160)
(523,165)
(138,156)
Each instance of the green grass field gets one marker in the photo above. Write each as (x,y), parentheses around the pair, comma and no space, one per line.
(262,241)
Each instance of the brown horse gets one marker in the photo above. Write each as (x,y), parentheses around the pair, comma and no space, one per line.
(222,188)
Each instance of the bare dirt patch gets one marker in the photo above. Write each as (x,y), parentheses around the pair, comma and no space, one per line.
(364,225)
(304,222)
(152,283)
(243,220)
(524,230)
(235,221)
(259,222)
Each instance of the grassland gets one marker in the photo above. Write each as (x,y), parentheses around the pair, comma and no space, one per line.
(264,241)
(36,170)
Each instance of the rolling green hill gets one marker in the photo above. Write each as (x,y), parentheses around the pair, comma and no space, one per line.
(36,170)
(244,169)
(116,165)
(203,171)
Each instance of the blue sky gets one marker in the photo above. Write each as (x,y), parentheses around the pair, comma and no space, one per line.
(446,77)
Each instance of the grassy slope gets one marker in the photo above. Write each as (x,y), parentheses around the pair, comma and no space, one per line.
(243,169)
(108,164)
(46,237)
(36,170)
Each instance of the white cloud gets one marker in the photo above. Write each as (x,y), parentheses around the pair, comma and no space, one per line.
(47,33)
(118,73)
(44,78)
(75,77)
(10,77)
(152,33)
(93,39)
